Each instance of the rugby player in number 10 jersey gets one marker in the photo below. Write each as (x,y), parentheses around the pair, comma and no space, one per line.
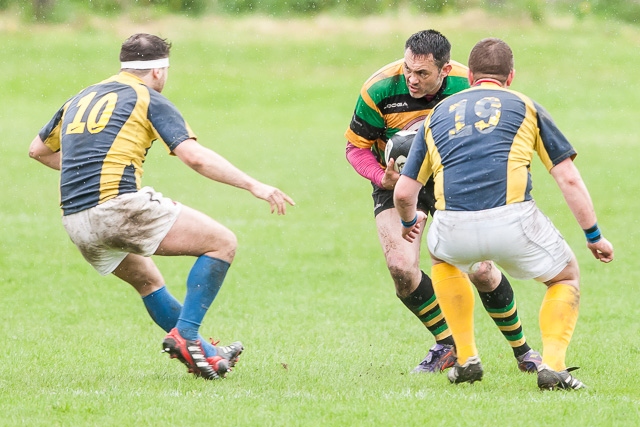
(99,140)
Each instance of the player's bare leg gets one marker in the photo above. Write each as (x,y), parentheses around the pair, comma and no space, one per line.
(415,289)
(195,233)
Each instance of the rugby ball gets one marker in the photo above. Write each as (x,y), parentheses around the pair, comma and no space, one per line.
(398,147)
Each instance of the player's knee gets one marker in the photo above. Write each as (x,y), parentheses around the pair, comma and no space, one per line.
(570,275)
(232,240)
(485,276)
(399,268)
(229,244)
(402,277)
(223,245)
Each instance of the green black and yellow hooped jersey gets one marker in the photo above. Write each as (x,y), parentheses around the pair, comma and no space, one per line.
(104,133)
(499,130)
(385,106)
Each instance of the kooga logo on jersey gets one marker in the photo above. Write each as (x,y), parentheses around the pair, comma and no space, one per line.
(396,105)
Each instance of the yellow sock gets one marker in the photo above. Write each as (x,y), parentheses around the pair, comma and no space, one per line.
(456,299)
(558,318)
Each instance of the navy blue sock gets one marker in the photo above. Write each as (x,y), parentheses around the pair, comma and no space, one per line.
(164,309)
(204,282)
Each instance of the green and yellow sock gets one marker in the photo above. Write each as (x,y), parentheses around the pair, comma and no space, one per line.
(501,306)
(422,302)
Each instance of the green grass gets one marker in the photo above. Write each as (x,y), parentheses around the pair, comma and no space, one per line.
(327,342)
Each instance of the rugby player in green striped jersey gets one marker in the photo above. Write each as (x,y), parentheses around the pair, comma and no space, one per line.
(399,96)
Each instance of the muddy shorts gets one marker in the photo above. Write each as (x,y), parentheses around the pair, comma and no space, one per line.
(130,223)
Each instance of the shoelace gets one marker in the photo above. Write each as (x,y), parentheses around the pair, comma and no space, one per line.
(572,381)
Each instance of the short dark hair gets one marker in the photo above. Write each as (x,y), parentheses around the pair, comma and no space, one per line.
(144,47)
(491,57)
(430,42)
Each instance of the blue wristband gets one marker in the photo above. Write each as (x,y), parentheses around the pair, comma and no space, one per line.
(593,234)
(409,224)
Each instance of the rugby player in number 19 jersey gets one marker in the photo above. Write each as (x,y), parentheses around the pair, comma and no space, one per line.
(478,145)
(398,97)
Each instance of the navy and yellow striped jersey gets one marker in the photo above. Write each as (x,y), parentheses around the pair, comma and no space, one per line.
(385,106)
(104,133)
(479,144)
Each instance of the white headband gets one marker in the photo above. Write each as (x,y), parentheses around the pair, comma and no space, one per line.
(146,65)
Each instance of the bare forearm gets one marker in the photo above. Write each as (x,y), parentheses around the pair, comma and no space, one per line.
(580,203)
(575,193)
(405,197)
(210,164)
(217,168)
(213,166)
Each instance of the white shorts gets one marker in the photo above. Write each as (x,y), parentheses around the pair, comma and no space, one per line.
(130,223)
(518,237)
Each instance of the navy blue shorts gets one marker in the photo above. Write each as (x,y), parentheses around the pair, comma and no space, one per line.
(383,199)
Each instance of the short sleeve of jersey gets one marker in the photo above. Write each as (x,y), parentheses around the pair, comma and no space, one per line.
(50,133)
(167,121)
(554,146)
(367,124)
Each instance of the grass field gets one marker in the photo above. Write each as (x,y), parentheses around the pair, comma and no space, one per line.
(327,342)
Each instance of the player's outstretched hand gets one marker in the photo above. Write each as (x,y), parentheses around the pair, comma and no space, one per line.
(390,177)
(411,233)
(602,250)
(277,198)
